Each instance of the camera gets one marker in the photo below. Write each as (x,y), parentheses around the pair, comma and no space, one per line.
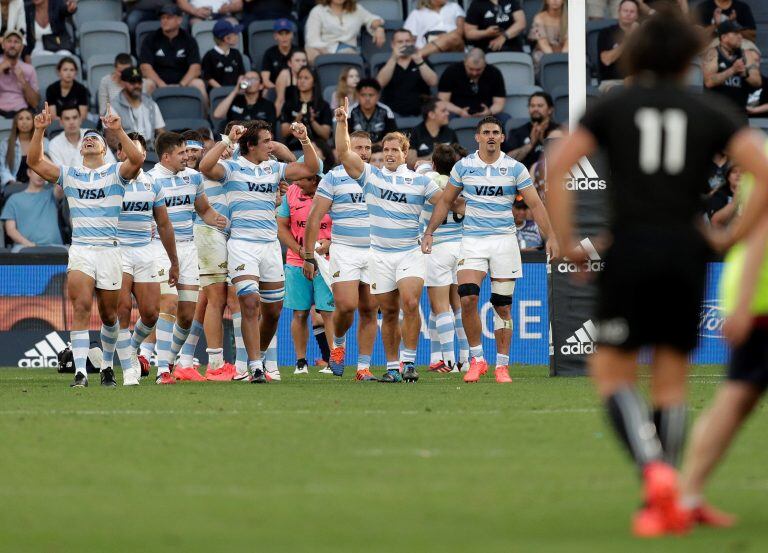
(244,85)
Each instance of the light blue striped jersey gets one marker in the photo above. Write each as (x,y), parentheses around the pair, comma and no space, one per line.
(218,200)
(181,190)
(252,193)
(395,200)
(451,229)
(348,210)
(142,196)
(94,197)
(489,190)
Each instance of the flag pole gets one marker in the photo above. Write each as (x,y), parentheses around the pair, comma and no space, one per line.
(577,61)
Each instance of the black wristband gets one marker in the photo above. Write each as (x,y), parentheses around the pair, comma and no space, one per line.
(311,260)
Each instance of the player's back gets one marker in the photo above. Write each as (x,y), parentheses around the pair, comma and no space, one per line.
(659,139)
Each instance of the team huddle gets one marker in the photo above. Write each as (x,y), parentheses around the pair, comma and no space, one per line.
(367,240)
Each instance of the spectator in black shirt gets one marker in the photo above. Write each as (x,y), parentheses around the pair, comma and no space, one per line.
(246,103)
(170,56)
(495,25)
(610,45)
(276,57)
(710,13)
(433,130)
(473,88)
(527,142)
(67,92)
(406,77)
(369,114)
(304,104)
(264,10)
(223,65)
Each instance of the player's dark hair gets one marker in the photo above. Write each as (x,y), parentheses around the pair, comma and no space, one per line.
(251,135)
(191,135)
(205,133)
(325,152)
(135,137)
(489,120)
(664,45)
(368,83)
(123,59)
(377,148)
(228,126)
(167,142)
(443,158)
(545,95)
(460,150)
(360,134)
(428,107)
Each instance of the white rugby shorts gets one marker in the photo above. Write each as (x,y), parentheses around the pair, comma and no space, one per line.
(103,264)
(387,269)
(349,263)
(264,260)
(497,255)
(188,271)
(139,262)
(442,264)
(211,254)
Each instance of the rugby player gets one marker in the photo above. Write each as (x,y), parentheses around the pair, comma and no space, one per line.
(184,196)
(395,197)
(342,197)
(489,180)
(659,139)
(94,193)
(144,201)
(252,186)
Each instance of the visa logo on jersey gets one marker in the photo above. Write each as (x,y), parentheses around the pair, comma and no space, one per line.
(489,190)
(91,194)
(399,197)
(357,198)
(584,177)
(260,187)
(178,201)
(135,206)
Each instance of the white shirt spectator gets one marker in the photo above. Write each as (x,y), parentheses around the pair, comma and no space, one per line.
(63,152)
(326,31)
(423,21)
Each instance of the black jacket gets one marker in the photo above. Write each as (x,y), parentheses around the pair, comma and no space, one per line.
(57,15)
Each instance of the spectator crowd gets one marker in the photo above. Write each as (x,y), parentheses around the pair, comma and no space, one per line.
(427,67)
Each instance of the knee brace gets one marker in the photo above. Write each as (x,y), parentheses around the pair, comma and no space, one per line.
(501,293)
(501,324)
(468,290)
(189,295)
(272,296)
(246,287)
(207,280)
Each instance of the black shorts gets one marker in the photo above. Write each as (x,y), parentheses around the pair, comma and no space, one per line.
(650,290)
(749,361)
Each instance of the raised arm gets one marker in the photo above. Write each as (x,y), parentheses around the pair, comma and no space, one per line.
(209,165)
(167,237)
(223,108)
(541,217)
(353,163)
(311,164)
(130,168)
(35,158)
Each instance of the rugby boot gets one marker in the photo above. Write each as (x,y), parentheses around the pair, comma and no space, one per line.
(502,375)
(165,378)
(336,361)
(365,375)
(259,377)
(81,381)
(391,376)
(108,378)
(143,365)
(409,372)
(225,373)
(706,515)
(439,367)
(476,370)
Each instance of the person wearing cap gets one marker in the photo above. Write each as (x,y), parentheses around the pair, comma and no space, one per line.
(223,64)
(610,45)
(170,55)
(710,13)
(528,234)
(139,112)
(200,10)
(65,148)
(18,80)
(276,57)
(142,10)
(112,84)
(728,69)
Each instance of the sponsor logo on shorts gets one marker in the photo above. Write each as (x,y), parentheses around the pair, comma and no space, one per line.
(460,263)
(373,286)
(584,177)
(593,265)
(711,321)
(582,342)
(161,272)
(337,274)
(240,267)
(223,265)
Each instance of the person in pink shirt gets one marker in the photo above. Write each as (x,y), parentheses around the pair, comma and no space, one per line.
(300,293)
(18,80)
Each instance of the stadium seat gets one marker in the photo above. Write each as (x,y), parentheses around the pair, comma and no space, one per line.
(517,100)
(441,61)
(328,67)
(594,26)
(98,66)
(764,66)
(759,123)
(103,37)
(369,49)
(516,67)
(376,62)
(142,30)
(98,10)
(45,67)
(202,32)
(5,128)
(13,188)
(762,38)
(41,250)
(185,123)
(328,92)
(216,95)
(260,40)
(151,158)
(530,8)
(248,64)
(560,97)
(553,71)
(179,102)
(386,9)
(465,131)
(695,78)
(406,124)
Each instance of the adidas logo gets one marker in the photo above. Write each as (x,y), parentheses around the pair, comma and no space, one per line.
(584,177)
(44,353)
(594,265)
(582,342)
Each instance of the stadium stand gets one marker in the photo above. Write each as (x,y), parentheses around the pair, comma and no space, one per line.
(179,102)
(465,131)
(98,10)
(517,101)
(369,49)
(553,71)
(328,67)
(386,9)
(103,37)
(515,67)
(593,31)
(376,61)
(186,123)
(97,67)
(5,128)
(143,30)
(440,62)
(45,67)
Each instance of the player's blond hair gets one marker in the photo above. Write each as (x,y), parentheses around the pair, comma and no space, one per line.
(401,139)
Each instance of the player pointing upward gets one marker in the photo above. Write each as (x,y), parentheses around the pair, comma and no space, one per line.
(659,139)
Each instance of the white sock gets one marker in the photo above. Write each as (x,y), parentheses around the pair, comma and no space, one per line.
(270,356)
(477,352)
(502,360)
(435,352)
(446,334)
(255,365)
(241,355)
(124,349)
(363,362)
(215,357)
(81,343)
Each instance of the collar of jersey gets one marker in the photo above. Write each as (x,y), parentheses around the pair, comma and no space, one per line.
(399,171)
(83,168)
(494,164)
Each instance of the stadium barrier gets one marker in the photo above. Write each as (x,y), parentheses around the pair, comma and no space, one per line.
(35,316)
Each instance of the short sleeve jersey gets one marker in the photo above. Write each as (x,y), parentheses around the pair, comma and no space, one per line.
(659,141)
(349,212)
(224,68)
(180,190)
(451,229)
(217,198)
(142,196)
(95,199)
(395,201)
(251,191)
(489,190)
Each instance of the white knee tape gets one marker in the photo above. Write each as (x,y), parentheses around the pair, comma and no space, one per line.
(168,290)
(246,287)
(188,295)
(207,280)
(272,296)
(505,288)
(499,323)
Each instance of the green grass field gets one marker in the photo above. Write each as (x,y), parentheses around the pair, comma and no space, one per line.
(319,464)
